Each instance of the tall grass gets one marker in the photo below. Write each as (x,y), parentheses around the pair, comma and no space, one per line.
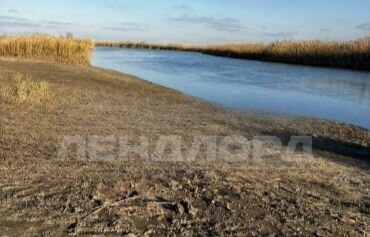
(57,49)
(349,54)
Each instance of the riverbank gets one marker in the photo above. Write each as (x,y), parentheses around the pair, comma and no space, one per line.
(349,55)
(40,194)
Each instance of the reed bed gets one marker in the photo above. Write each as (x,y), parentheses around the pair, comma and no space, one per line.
(57,49)
(349,54)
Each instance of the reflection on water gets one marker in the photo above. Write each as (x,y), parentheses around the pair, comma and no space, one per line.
(334,94)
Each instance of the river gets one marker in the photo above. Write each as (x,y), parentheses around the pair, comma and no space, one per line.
(246,85)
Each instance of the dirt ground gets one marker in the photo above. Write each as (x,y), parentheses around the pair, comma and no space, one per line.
(325,194)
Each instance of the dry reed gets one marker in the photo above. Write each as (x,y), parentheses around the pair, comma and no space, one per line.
(57,49)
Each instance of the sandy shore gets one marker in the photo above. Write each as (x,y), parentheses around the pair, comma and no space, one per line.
(41,194)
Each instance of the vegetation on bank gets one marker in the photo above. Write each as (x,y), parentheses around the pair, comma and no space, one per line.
(58,49)
(25,89)
(349,54)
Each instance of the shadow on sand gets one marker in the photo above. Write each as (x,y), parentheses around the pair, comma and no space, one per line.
(350,154)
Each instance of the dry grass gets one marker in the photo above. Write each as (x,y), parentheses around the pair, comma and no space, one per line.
(58,49)
(351,54)
(24,89)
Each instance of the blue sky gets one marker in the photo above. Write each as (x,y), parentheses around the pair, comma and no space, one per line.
(191,21)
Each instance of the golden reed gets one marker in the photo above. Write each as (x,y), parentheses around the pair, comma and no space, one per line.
(57,49)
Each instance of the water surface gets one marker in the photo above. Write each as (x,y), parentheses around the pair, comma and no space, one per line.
(333,94)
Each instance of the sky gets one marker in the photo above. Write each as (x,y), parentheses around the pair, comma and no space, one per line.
(189,21)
